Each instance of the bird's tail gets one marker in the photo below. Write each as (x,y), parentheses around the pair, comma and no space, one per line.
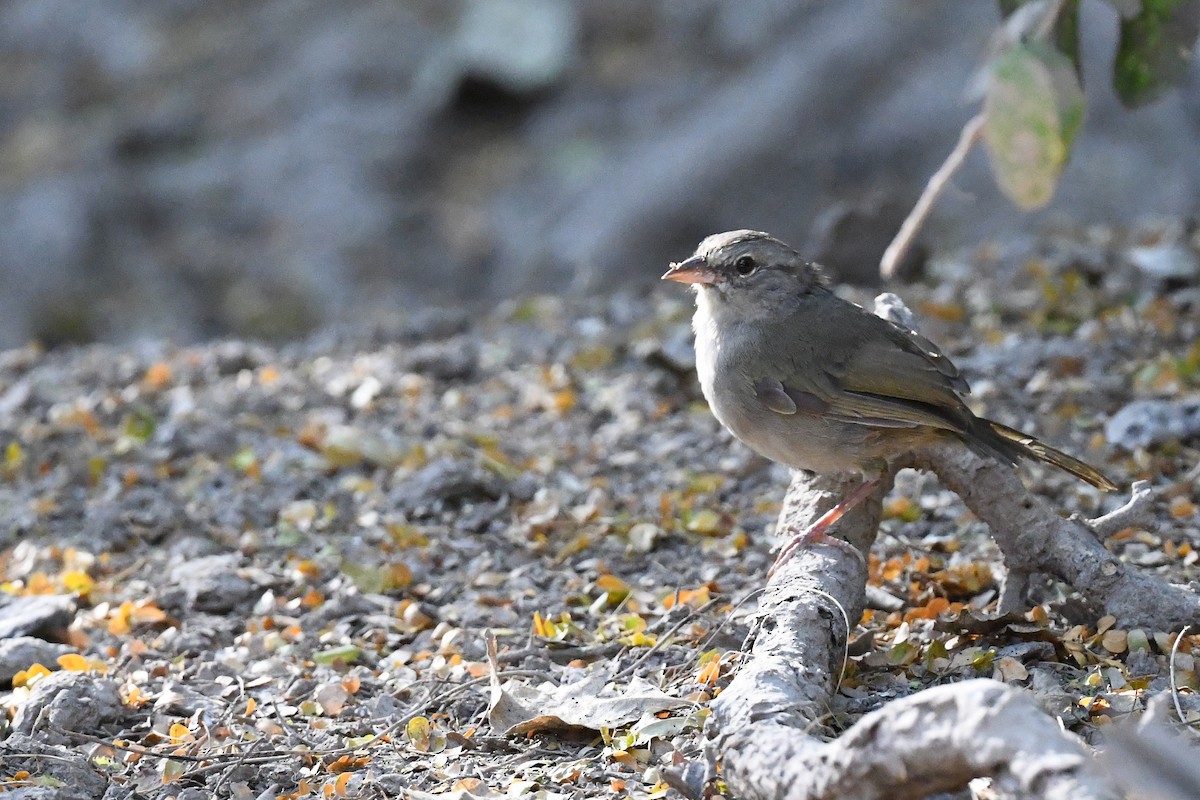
(1009,445)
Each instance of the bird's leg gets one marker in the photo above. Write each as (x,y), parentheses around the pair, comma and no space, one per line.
(817,532)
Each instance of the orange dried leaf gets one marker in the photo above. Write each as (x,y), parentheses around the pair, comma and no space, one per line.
(78,582)
(132,696)
(950,312)
(966,578)
(563,400)
(466,785)
(902,508)
(1182,507)
(119,622)
(158,376)
(1038,615)
(347,764)
(31,675)
(399,576)
(611,583)
(710,672)
(146,613)
(40,583)
(938,605)
(687,597)
(73,662)
(180,733)
(892,569)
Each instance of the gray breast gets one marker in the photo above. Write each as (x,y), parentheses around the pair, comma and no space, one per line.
(726,368)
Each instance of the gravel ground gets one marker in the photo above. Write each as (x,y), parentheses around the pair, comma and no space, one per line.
(250,571)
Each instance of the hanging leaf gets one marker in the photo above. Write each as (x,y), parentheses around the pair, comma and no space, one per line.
(1034,107)
(1155,50)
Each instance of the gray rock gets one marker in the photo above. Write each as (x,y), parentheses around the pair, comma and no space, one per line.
(73,701)
(21,652)
(452,360)
(1028,652)
(447,481)
(213,584)
(43,616)
(36,756)
(1165,261)
(1143,423)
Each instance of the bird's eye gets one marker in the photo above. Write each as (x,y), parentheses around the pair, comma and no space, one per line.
(745,265)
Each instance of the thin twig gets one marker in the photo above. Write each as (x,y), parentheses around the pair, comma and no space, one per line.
(1175,686)
(127,747)
(663,638)
(1048,21)
(561,655)
(899,247)
(246,755)
(750,595)
(215,762)
(971,133)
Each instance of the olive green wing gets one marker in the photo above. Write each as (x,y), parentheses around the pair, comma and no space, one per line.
(859,368)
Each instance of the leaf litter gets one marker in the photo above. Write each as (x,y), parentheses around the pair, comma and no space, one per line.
(283,565)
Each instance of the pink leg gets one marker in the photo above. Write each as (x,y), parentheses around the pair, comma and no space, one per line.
(818,531)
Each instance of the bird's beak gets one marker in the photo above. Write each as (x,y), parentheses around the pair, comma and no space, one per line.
(691,270)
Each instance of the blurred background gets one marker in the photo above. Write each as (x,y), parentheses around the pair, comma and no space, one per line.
(196,168)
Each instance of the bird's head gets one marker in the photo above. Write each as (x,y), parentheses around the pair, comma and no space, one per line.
(747,272)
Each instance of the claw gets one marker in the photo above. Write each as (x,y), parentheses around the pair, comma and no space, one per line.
(818,532)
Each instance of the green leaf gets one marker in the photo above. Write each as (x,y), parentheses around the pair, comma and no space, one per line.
(982,661)
(1034,107)
(140,425)
(347,654)
(1155,50)
(902,654)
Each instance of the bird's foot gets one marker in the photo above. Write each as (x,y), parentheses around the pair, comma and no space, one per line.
(806,539)
(818,532)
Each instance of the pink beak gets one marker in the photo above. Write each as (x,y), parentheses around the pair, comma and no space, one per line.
(691,270)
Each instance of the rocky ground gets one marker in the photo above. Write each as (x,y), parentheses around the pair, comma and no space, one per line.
(245,571)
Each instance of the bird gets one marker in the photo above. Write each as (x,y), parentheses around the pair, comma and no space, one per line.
(817,383)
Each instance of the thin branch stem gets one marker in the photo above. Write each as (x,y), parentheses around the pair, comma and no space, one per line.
(1174,685)
(900,246)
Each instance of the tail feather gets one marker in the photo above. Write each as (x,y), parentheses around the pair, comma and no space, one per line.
(1009,445)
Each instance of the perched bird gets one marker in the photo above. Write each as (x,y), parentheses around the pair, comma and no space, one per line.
(818,383)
